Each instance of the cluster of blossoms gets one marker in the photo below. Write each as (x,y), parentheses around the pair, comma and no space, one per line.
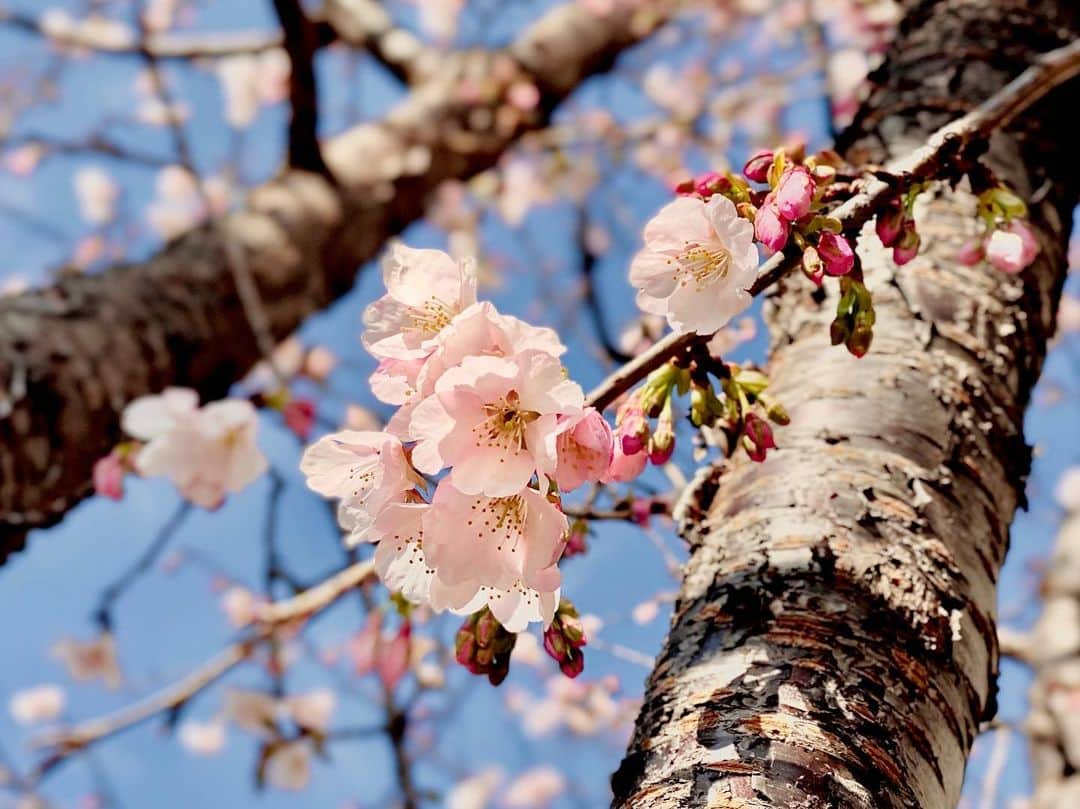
(1008,243)
(462,491)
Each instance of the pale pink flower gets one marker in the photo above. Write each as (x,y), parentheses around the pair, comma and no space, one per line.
(523,188)
(514,607)
(364,645)
(399,556)
(836,253)
(312,710)
(625,468)
(42,703)
(253,711)
(202,738)
(424,290)
(476,791)
(483,330)
(698,262)
(289,765)
(319,363)
(90,660)
(494,421)
(365,470)
(394,381)
(22,160)
(1067,492)
(239,76)
(585,449)
(97,194)
(240,606)
(970,253)
(207,452)
(535,789)
(645,612)
(497,542)
(1012,249)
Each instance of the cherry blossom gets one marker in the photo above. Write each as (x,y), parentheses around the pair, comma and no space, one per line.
(494,421)
(97,194)
(90,660)
(476,791)
(698,262)
(1012,249)
(365,470)
(585,449)
(207,452)
(41,703)
(425,289)
(252,711)
(535,789)
(202,738)
(501,542)
(288,767)
(312,710)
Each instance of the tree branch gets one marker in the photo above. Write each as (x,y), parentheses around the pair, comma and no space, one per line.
(300,40)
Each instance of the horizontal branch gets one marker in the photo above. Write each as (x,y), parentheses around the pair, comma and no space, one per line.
(925,163)
(64,742)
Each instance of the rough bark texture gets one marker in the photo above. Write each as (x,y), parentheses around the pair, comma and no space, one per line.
(72,356)
(1053,651)
(833,644)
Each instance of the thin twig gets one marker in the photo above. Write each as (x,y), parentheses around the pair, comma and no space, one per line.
(300,39)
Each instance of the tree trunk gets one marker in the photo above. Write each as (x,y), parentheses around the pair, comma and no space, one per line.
(834,642)
(72,356)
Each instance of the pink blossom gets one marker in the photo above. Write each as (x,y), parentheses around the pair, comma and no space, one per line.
(1013,249)
(631,426)
(97,194)
(494,421)
(90,660)
(312,710)
(794,193)
(207,452)
(497,542)
(425,289)
(42,703)
(514,607)
(299,415)
(365,470)
(585,448)
(757,167)
(393,661)
(202,738)
(109,476)
(319,363)
(240,606)
(394,381)
(836,254)
(474,792)
(399,557)
(770,228)
(907,247)
(537,788)
(624,467)
(698,261)
(363,647)
(889,224)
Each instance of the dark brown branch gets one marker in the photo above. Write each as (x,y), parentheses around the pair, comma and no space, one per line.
(301,41)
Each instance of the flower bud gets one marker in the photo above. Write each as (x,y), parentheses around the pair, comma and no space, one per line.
(889,224)
(109,476)
(971,253)
(769,228)
(794,193)
(575,540)
(907,247)
(757,437)
(757,167)
(299,415)
(711,183)
(812,265)
(836,254)
(1013,249)
(626,466)
(662,442)
(483,646)
(564,638)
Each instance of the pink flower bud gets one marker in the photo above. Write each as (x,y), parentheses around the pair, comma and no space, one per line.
(393,660)
(970,254)
(299,415)
(769,228)
(890,223)
(836,254)
(631,426)
(641,510)
(710,183)
(109,476)
(1013,249)
(575,542)
(757,437)
(908,246)
(794,193)
(757,167)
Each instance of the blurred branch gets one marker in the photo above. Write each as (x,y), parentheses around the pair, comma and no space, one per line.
(163,46)
(927,162)
(592,302)
(366,24)
(301,41)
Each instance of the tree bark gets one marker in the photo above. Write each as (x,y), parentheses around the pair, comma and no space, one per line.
(834,644)
(72,356)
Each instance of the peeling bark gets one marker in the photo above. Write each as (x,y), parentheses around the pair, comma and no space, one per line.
(72,356)
(833,644)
